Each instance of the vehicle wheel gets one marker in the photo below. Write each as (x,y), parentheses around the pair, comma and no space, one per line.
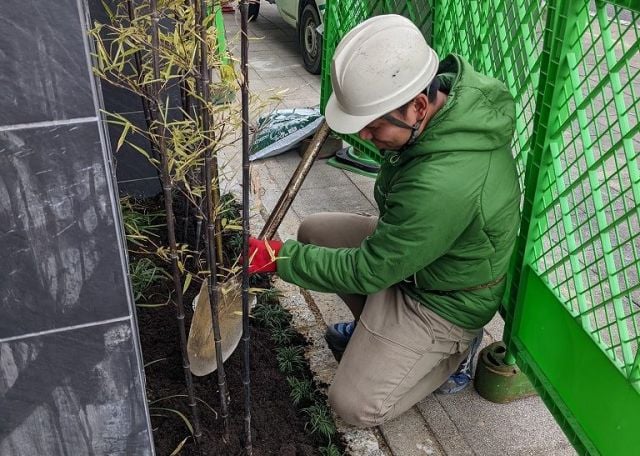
(310,39)
(254,10)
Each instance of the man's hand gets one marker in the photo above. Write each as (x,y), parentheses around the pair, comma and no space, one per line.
(262,255)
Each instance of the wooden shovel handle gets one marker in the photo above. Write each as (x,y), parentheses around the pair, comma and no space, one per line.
(291,190)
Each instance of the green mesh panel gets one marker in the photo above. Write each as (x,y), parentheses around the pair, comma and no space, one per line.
(572,67)
(585,236)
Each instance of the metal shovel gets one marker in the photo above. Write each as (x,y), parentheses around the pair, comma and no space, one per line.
(200,345)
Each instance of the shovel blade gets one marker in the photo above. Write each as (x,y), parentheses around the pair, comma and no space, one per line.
(201,343)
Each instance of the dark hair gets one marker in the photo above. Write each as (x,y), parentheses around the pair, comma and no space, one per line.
(431,91)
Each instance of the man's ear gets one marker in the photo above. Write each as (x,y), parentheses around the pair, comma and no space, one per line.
(421,103)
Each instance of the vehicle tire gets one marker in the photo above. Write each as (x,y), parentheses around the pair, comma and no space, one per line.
(310,39)
(254,10)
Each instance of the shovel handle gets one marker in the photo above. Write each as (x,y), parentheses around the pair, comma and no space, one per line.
(291,190)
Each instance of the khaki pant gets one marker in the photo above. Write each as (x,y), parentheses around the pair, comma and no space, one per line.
(400,351)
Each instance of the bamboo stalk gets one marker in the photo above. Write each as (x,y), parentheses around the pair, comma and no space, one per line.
(210,164)
(186,107)
(146,108)
(168,204)
(199,224)
(214,164)
(246,329)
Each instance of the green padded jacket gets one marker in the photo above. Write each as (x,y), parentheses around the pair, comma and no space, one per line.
(449,211)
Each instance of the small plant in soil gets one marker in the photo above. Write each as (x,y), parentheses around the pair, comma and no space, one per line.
(282,336)
(140,225)
(271,315)
(290,359)
(144,273)
(330,450)
(302,390)
(271,295)
(320,420)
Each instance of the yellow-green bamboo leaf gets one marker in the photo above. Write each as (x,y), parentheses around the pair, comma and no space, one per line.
(180,414)
(139,149)
(123,136)
(153,362)
(179,447)
(150,306)
(187,282)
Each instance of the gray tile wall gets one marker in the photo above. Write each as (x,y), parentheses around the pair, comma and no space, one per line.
(71,378)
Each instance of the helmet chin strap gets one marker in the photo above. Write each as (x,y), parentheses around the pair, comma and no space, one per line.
(415,128)
(432,94)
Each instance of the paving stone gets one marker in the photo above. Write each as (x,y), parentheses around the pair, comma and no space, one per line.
(495,328)
(409,435)
(445,430)
(498,429)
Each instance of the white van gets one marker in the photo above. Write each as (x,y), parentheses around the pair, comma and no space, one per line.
(307,17)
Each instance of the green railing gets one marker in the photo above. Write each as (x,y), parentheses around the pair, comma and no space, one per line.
(572,312)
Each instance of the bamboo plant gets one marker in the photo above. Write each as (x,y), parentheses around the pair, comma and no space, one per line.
(158,131)
(137,51)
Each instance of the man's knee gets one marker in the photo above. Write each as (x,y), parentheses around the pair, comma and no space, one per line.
(307,231)
(355,407)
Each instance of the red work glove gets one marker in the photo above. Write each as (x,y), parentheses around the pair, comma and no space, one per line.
(262,255)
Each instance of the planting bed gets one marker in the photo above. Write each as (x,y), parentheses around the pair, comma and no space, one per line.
(278,427)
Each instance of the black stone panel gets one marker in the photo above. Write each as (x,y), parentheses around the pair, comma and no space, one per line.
(118,99)
(76,392)
(130,163)
(43,66)
(61,263)
(140,188)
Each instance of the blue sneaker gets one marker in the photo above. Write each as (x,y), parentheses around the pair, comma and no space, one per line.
(462,377)
(337,337)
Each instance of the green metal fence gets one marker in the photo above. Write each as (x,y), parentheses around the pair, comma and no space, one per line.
(573,310)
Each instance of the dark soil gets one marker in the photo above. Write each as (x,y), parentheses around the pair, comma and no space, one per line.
(277,427)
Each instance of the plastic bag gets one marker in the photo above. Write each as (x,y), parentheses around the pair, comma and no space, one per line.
(283,130)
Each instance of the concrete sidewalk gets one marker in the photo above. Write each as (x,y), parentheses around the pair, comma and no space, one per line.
(461,424)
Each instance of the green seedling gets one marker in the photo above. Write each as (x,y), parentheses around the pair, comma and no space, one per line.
(301,390)
(270,296)
(139,226)
(330,450)
(233,241)
(282,336)
(271,316)
(290,359)
(320,420)
(144,273)
(260,281)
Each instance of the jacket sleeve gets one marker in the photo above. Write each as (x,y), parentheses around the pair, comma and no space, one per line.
(422,219)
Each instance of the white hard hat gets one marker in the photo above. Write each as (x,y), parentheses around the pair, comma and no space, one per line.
(380,65)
